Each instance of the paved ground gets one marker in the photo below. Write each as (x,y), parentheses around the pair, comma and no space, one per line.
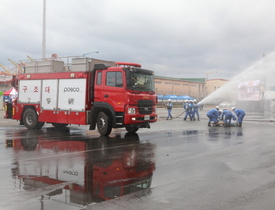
(178,113)
(196,166)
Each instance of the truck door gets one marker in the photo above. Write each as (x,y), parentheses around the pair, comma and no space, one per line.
(110,88)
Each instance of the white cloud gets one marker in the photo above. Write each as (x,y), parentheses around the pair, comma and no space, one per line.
(178,38)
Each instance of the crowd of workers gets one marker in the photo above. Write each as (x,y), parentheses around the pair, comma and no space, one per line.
(226,116)
(191,110)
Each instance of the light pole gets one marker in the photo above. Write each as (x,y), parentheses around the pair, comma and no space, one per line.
(206,75)
(44,30)
(206,78)
(84,55)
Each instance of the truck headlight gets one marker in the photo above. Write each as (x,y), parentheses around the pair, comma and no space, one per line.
(131,111)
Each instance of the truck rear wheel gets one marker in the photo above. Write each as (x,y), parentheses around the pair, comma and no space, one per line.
(131,129)
(103,124)
(30,119)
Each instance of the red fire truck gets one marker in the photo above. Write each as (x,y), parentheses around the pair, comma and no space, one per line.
(83,170)
(85,91)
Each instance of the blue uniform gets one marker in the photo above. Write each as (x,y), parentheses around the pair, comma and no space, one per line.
(191,110)
(196,111)
(213,115)
(240,114)
(227,116)
(169,109)
(187,109)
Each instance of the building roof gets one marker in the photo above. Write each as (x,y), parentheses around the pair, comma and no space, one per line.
(198,80)
(219,80)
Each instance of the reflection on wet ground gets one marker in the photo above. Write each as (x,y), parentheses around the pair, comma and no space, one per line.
(73,169)
(216,132)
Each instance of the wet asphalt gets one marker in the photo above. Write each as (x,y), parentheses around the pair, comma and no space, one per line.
(174,165)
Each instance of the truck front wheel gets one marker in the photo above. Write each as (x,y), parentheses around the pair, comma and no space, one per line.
(131,129)
(30,119)
(103,123)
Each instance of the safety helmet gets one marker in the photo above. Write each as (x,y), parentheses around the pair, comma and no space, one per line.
(233,108)
(169,99)
(217,107)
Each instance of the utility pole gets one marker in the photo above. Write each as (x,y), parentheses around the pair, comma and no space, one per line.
(44,30)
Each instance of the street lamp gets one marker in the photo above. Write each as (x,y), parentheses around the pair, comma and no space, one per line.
(90,53)
(206,75)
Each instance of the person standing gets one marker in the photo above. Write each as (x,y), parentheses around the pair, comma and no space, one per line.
(191,110)
(169,107)
(187,110)
(240,115)
(213,115)
(196,110)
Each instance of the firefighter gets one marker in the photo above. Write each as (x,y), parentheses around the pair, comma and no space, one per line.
(213,115)
(196,110)
(187,110)
(169,106)
(240,115)
(191,110)
(226,117)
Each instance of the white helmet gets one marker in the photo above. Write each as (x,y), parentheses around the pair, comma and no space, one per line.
(233,108)
(169,99)
(217,107)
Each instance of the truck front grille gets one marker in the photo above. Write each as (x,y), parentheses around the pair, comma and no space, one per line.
(145,106)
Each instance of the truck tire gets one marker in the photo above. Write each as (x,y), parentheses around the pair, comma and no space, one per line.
(30,119)
(131,129)
(39,125)
(103,124)
(59,125)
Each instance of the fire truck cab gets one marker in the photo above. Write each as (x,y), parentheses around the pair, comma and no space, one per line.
(99,93)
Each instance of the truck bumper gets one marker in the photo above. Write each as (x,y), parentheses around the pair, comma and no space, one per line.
(140,119)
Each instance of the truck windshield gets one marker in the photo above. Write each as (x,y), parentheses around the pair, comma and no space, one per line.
(140,81)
